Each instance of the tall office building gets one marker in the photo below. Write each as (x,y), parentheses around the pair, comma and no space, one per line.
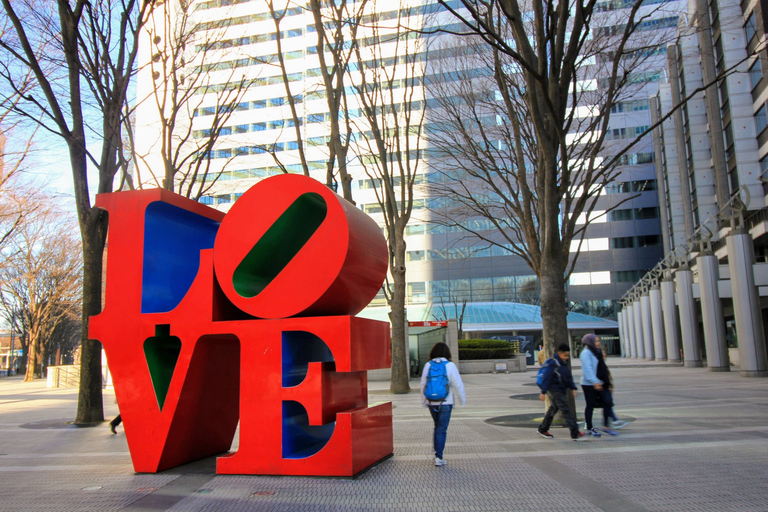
(236,42)
(709,299)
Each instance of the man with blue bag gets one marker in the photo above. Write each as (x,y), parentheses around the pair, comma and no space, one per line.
(555,381)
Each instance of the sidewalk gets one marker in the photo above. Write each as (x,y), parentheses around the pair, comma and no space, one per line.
(698,442)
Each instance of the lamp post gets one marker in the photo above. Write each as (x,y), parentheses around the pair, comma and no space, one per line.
(10,352)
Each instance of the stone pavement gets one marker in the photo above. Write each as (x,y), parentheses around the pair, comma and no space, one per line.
(698,442)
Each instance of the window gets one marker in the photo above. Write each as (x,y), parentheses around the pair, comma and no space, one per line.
(646,213)
(415,229)
(643,185)
(292,145)
(648,240)
(750,28)
(258,127)
(621,187)
(616,215)
(761,120)
(241,128)
(415,255)
(755,74)
(625,242)
(259,104)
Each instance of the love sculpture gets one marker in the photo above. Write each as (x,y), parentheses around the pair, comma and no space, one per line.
(210,319)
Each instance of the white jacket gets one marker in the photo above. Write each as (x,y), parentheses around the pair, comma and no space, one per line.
(453,378)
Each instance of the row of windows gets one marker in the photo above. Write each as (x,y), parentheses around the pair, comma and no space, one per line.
(648,24)
(626,187)
(258,149)
(634,214)
(243,20)
(237,85)
(246,40)
(613,5)
(626,133)
(625,242)
(249,105)
(631,106)
(263,172)
(250,61)
(587,245)
(636,158)
(503,288)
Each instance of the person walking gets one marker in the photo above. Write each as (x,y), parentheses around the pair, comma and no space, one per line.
(440,358)
(556,382)
(540,356)
(616,423)
(595,381)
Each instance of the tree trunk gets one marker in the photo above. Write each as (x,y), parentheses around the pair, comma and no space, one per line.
(29,373)
(90,408)
(554,314)
(400,352)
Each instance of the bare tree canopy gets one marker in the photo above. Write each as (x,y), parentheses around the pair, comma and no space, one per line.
(183,113)
(70,64)
(523,124)
(41,278)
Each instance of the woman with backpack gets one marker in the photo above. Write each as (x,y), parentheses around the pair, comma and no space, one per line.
(440,384)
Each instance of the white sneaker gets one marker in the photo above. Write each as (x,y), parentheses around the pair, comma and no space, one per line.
(440,462)
(619,424)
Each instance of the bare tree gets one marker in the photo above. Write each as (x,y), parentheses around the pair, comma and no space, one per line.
(41,281)
(390,97)
(527,137)
(81,56)
(336,25)
(176,88)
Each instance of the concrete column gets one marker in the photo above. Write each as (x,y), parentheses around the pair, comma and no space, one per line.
(712,314)
(622,340)
(631,330)
(682,151)
(671,322)
(689,329)
(746,305)
(645,308)
(638,314)
(625,322)
(657,324)
(660,180)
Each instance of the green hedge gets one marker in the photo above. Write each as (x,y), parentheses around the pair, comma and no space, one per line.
(484,349)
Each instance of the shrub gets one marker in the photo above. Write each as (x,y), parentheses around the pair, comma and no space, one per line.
(484,349)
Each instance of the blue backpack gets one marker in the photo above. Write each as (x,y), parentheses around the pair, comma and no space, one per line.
(437,387)
(549,366)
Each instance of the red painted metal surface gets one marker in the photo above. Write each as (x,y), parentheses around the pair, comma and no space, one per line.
(199,338)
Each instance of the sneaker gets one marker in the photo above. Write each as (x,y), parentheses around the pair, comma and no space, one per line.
(619,424)
(579,437)
(440,462)
(609,431)
(545,434)
(594,432)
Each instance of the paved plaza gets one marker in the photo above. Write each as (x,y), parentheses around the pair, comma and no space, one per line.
(698,441)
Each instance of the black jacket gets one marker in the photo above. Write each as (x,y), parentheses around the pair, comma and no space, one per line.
(561,384)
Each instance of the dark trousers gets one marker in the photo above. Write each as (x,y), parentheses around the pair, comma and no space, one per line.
(591,396)
(559,402)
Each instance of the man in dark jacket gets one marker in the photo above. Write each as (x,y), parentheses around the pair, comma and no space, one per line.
(557,381)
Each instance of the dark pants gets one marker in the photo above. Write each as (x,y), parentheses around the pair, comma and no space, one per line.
(441,415)
(559,402)
(591,395)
